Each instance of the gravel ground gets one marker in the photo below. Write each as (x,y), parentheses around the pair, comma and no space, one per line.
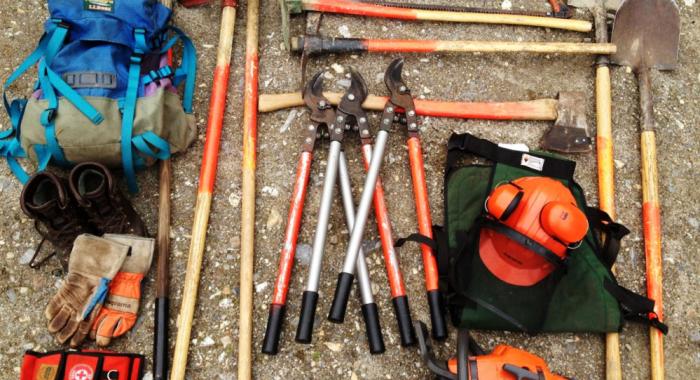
(340,351)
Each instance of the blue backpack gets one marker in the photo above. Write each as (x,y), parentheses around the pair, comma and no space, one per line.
(106,91)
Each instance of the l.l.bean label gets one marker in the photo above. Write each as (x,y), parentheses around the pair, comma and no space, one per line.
(99,5)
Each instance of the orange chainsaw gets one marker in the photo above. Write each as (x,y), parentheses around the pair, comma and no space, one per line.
(503,363)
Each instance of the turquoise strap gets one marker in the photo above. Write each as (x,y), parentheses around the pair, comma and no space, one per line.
(144,141)
(78,101)
(48,116)
(188,70)
(130,109)
(155,75)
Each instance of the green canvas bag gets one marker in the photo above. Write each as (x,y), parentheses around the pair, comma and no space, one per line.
(583,296)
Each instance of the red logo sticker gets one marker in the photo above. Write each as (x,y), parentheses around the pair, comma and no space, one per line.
(80,372)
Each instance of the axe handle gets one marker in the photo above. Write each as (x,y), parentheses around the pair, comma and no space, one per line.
(381,11)
(540,109)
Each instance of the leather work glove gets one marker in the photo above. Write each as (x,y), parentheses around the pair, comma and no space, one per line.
(118,315)
(93,262)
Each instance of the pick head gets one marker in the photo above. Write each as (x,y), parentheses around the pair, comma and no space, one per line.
(647,34)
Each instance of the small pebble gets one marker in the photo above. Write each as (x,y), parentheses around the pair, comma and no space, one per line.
(303,254)
(344,31)
(207,342)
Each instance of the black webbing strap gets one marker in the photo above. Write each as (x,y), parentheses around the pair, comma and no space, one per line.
(440,249)
(466,143)
(635,307)
(525,242)
(612,232)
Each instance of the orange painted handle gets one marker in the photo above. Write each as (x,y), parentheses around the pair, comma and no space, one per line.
(425,223)
(291,234)
(391,260)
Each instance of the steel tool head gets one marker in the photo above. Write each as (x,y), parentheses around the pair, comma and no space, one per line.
(400,94)
(647,33)
(351,103)
(570,131)
(322,112)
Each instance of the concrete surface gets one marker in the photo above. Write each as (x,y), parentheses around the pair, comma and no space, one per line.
(341,351)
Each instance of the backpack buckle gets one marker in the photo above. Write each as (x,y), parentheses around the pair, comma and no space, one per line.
(136,58)
(48,116)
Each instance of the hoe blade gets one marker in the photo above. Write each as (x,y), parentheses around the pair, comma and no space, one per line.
(646,33)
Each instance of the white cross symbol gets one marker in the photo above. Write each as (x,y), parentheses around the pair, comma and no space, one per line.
(82,374)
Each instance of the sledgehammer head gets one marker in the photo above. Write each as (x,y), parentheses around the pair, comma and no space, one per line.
(570,131)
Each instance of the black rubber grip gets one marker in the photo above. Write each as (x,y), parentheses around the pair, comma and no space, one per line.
(315,45)
(437,315)
(160,339)
(307,316)
(340,299)
(374,329)
(403,317)
(271,341)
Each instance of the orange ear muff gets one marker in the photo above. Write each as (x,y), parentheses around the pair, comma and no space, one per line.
(503,201)
(564,221)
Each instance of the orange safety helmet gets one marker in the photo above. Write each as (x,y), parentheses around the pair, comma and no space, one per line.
(543,210)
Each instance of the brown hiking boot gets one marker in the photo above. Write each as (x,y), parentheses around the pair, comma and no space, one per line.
(56,215)
(95,190)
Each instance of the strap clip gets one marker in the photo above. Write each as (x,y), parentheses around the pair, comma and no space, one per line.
(48,116)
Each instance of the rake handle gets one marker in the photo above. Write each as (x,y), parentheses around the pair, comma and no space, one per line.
(540,110)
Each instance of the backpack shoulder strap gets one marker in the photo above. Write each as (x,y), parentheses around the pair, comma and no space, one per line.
(635,307)
(609,233)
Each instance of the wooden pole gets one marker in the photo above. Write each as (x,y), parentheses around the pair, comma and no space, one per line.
(161,346)
(540,109)
(374,10)
(606,169)
(162,308)
(418,46)
(206,187)
(250,121)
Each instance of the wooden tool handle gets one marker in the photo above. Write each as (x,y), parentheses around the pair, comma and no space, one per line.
(374,10)
(541,109)
(515,47)
(651,216)
(204,194)
(250,121)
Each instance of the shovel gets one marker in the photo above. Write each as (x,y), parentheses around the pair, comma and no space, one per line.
(646,33)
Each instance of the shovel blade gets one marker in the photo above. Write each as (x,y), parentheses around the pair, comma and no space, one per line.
(647,33)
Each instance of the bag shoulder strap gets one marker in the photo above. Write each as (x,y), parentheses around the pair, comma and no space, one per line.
(544,165)
(609,233)
(635,307)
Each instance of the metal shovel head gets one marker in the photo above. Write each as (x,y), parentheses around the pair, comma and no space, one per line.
(646,33)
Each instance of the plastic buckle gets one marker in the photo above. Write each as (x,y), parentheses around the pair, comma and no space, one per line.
(48,116)
(136,58)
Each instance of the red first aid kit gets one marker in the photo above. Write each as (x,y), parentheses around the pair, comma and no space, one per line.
(82,365)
